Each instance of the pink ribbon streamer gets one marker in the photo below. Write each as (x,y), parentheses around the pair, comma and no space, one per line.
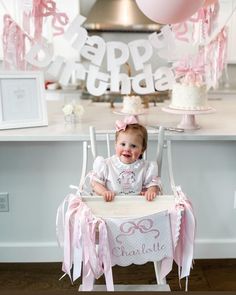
(26,21)
(201,69)
(183,255)
(76,229)
(180,31)
(14,38)
(104,259)
(217,49)
(183,226)
(13,45)
(45,8)
(121,125)
(205,16)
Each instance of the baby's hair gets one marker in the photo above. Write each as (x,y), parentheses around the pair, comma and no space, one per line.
(138,129)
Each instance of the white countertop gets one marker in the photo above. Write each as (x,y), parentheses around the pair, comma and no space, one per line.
(220,125)
(220,90)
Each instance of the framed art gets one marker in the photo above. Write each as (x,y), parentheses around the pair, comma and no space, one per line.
(22,100)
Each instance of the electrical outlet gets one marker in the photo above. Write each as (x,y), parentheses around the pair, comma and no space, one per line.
(4,202)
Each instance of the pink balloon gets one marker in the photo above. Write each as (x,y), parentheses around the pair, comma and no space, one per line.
(209,2)
(169,11)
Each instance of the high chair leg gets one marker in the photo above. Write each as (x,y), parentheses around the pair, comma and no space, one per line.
(157,267)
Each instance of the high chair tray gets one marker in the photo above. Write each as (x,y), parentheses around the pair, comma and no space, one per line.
(128,206)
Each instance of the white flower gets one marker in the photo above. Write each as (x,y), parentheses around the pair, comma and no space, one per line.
(78,110)
(68,109)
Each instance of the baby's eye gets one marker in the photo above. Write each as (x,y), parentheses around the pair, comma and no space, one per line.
(122,144)
(133,146)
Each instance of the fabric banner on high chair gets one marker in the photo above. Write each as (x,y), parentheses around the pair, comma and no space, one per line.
(139,240)
(163,236)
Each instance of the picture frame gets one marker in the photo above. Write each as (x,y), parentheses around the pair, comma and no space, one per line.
(22,99)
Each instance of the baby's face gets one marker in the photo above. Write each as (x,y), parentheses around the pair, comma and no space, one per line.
(128,146)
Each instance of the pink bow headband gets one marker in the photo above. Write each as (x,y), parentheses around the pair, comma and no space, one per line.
(121,125)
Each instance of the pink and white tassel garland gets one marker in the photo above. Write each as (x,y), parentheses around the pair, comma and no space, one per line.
(15,36)
(45,8)
(13,45)
(215,65)
(198,27)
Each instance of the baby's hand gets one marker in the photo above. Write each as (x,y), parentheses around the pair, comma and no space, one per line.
(108,196)
(151,193)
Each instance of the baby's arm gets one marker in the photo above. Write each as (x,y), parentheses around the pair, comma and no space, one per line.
(151,192)
(103,191)
(152,182)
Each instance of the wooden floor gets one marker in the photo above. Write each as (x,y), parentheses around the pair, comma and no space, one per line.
(207,275)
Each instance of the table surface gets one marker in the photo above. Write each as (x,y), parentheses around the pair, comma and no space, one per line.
(220,125)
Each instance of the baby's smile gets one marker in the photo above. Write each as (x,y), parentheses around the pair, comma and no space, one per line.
(126,155)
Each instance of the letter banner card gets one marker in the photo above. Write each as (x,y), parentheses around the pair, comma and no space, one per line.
(139,240)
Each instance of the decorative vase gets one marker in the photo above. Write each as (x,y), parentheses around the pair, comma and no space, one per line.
(72,119)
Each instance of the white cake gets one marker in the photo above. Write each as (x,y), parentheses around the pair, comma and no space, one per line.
(188,97)
(132,105)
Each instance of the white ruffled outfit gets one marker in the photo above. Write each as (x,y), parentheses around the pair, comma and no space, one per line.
(125,179)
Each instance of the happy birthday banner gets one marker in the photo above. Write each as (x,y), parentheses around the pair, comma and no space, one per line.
(204,33)
(117,54)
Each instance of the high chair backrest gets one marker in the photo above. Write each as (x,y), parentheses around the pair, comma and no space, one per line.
(109,137)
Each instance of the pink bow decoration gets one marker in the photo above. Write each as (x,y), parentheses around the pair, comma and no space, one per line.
(191,72)
(122,125)
(144,226)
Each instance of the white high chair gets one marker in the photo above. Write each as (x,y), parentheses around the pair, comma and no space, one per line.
(156,226)
(118,207)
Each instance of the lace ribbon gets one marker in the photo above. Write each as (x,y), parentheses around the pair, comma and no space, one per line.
(183,255)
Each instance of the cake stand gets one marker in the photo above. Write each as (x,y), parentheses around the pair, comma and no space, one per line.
(188,120)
